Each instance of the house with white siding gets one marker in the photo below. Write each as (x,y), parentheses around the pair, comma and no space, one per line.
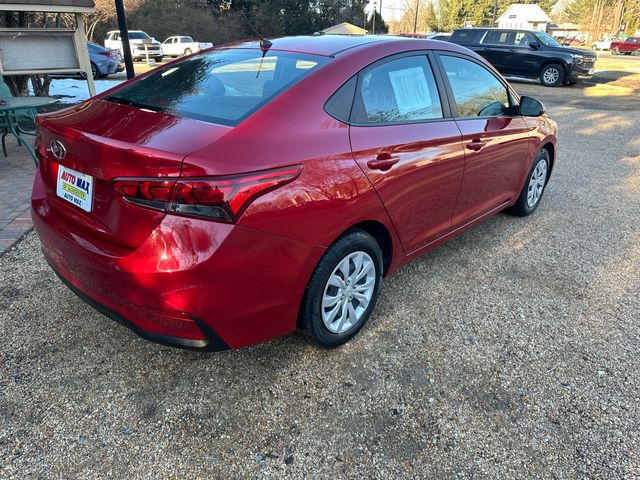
(527,16)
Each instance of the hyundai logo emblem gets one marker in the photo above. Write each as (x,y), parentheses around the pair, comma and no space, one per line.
(57,149)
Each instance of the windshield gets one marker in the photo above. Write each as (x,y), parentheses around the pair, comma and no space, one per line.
(548,40)
(138,36)
(223,86)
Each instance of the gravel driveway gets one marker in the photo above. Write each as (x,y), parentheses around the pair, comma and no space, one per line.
(510,352)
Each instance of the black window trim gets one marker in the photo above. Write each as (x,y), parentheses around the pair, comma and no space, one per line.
(440,86)
(514,98)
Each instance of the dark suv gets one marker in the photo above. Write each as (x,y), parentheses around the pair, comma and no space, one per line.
(528,53)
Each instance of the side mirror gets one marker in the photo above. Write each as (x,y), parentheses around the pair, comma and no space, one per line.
(534,45)
(530,107)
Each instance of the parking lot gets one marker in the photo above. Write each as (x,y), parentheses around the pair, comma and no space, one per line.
(509,352)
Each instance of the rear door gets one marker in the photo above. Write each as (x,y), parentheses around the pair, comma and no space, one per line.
(496,141)
(404,140)
(497,48)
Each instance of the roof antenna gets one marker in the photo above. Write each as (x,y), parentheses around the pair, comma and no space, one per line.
(265,44)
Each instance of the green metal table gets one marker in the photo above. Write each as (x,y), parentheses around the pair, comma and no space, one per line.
(10,111)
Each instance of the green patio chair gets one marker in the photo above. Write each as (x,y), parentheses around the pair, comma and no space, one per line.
(28,116)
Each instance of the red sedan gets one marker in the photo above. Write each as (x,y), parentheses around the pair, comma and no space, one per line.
(248,191)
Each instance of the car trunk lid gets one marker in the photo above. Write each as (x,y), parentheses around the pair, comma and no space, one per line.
(105,141)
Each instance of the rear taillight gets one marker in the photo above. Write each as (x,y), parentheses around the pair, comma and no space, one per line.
(216,198)
(107,54)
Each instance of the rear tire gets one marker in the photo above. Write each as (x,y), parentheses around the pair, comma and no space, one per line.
(188,51)
(95,72)
(534,186)
(615,51)
(342,291)
(552,75)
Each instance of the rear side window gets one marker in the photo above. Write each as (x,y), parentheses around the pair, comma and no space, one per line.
(477,92)
(223,86)
(496,37)
(339,104)
(398,91)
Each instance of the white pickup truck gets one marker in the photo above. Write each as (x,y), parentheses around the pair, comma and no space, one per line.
(141,44)
(182,45)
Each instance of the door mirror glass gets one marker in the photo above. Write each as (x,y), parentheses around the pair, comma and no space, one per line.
(534,45)
(530,107)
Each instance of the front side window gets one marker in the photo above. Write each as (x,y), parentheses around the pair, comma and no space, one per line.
(523,39)
(398,91)
(477,92)
(223,86)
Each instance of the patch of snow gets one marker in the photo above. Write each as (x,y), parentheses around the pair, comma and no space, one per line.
(73,90)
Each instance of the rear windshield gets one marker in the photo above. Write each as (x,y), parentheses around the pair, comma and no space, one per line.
(224,86)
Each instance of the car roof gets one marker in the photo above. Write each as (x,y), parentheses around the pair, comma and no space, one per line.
(482,29)
(332,45)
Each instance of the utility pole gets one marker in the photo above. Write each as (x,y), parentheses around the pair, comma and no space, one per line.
(415,20)
(124,38)
(495,11)
(373,28)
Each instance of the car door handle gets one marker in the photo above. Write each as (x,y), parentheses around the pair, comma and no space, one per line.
(475,145)
(383,162)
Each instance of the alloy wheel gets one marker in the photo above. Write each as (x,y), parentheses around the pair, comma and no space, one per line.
(348,292)
(551,75)
(536,183)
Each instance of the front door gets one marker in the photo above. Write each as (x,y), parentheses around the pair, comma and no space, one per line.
(408,148)
(527,62)
(496,142)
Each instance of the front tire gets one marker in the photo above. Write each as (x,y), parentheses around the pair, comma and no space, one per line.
(552,75)
(534,186)
(615,51)
(342,291)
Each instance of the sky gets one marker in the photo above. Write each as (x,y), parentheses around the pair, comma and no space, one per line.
(391,9)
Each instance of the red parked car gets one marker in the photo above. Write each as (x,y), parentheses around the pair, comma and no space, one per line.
(248,191)
(630,46)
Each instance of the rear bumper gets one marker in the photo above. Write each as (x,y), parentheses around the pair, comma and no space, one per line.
(211,342)
(192,283)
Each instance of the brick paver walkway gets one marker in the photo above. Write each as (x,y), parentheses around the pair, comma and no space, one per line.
(16,176)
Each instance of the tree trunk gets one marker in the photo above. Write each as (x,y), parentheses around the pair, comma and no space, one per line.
(41,84)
